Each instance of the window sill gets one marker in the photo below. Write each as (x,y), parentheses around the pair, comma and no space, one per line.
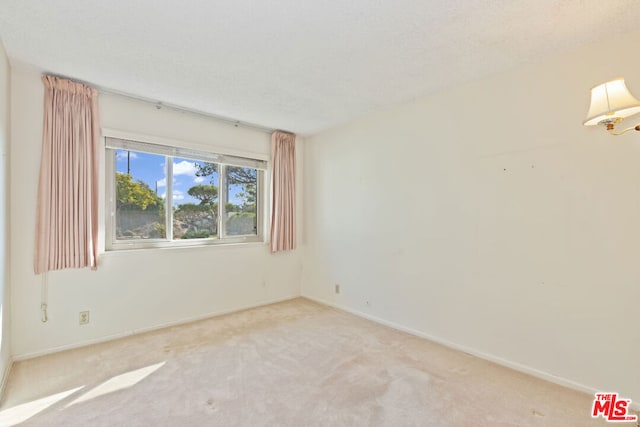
(162,246)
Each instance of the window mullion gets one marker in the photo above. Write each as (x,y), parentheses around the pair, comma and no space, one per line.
(168,201)
(260,204)
(222,200)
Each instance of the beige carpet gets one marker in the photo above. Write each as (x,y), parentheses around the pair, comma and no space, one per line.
(295,363)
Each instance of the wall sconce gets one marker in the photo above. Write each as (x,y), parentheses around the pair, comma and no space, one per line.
(611,102)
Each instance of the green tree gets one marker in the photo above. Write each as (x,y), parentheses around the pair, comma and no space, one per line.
(248,179)
(206,193)
(192,213)
(206,169)
(135,195)
(240,175)
(230,207)
(188,208)
(249,196)
(235,174)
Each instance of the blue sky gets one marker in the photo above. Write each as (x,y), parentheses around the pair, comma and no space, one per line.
(150,168)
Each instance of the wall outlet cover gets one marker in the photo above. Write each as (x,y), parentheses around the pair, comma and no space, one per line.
(84,317)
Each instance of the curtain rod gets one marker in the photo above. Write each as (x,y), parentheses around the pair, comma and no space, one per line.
(159,105)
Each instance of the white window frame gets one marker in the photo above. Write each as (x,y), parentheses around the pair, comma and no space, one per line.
(115,140)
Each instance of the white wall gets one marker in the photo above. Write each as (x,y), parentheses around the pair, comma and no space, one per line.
(134,290)
(5,319)
(489,218)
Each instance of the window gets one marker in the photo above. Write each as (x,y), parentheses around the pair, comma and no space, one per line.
(159,195)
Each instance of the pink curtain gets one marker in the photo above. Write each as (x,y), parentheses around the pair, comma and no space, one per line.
(283,194)
(67,212)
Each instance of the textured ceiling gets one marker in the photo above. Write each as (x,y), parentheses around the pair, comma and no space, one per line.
(299,65)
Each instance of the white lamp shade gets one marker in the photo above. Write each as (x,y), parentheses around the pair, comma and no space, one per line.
(611,100)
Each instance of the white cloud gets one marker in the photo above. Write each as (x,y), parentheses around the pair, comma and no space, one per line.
(184,167)
(122,155)
(177,195)
(187,168)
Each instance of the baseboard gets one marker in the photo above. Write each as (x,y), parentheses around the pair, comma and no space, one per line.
(486,356)
(26,356)
(5,378)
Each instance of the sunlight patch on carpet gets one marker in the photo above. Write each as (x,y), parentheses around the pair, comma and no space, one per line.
(119,382)
(21,413)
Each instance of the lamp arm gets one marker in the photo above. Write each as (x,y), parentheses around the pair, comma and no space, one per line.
(613,132)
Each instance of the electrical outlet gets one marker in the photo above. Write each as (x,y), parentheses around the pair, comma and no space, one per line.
(84,317)
(337,288)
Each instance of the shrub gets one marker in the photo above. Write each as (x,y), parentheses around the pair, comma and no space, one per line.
(199,234)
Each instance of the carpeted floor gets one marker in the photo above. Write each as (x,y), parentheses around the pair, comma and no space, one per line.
(295,363)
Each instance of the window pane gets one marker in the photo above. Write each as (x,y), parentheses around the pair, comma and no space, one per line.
(195,199)
(241,208)
(148,196)
(140,212)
